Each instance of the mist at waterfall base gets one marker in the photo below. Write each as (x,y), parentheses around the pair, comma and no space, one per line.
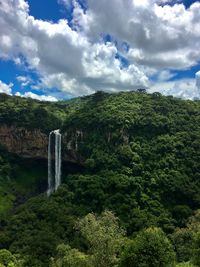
(54,174)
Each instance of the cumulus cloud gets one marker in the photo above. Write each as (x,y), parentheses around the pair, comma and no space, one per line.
(158,36)
(165,75)
(164,2)
(183,88)
(198,80)
(66,3)
(24,80)
(55,50)
(6,88)
(37,97)
(76,58)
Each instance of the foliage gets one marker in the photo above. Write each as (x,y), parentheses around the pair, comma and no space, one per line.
(135,154)
(7,259)
(185,238)
(6,196)
(19,179)
(151,140)
(104,237)
(196,250)
(185,264)
(183,242)
(39,226)
(29,113)
(150,248)
(68,257)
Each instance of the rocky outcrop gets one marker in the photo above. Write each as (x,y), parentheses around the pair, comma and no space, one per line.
(23,142)
(71,141)
(34,144)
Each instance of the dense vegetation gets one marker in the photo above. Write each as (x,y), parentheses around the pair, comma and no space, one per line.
(134,201)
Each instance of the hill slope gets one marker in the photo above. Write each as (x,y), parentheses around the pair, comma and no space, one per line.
(134,153)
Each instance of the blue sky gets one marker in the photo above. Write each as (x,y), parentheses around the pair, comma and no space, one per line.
(71,48)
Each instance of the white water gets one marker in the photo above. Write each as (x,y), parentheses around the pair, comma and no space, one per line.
(53,185)
(50,180)
(57,158)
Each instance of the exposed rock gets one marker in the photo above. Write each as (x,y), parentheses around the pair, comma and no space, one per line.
(71,141)
(125,136)
(108,137)
(34,143)
(23,142)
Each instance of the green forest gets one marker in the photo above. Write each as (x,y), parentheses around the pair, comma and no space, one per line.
(131,196)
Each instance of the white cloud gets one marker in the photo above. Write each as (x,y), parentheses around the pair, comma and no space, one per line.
(183,88)
(164,2)
(158,36)
(64,56)
(6,88)
(24,80)
(37,97)
(66,3)
(165,75)
(198,80)
(77,61)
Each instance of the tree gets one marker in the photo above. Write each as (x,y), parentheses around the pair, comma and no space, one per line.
(187,240)
(151,248)
(104,236)
(68,257)
(196,250)
(141,90)
(7,259)
(182,240)
(98,96)
(185,264)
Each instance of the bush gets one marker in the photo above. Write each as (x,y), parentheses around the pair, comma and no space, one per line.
(151,248)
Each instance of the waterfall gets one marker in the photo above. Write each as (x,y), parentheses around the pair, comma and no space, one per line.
(50,180)
(53,185)
(57,158)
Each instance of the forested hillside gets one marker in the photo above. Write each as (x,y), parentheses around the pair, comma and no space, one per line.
(131,197)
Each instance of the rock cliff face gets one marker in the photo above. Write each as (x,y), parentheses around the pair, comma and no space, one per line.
(34,144)
(70,146)
(23,142)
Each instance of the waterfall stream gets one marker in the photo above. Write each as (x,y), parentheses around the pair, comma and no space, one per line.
(54,184)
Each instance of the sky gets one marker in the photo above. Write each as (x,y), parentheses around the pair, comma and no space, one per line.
(59,49)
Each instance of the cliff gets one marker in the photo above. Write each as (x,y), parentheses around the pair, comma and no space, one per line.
(34,143)
(23,142)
